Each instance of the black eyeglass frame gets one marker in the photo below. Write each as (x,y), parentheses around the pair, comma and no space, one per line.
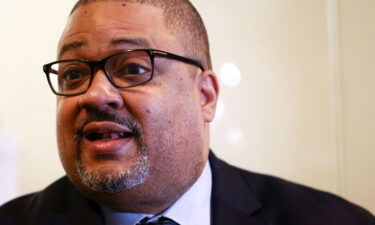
(100,64)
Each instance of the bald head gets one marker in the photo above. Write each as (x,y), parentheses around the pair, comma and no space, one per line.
(183,20)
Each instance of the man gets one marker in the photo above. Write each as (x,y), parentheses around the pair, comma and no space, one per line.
(136,94)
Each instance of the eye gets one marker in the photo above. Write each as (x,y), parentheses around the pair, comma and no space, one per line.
(129,68)
(133,69)
(72,75)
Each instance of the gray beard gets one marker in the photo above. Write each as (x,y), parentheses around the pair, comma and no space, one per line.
(115,181)
(119,180)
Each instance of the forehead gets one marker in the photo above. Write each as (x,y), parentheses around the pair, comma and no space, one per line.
(108,26)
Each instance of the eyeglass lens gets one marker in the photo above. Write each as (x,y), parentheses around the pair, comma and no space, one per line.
(126,69)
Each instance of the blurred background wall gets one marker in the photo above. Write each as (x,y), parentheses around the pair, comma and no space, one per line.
(297,91)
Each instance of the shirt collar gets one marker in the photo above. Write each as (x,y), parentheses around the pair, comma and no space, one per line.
(121,218)
(193,207)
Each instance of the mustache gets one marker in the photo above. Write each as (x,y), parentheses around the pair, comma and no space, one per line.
(99,116)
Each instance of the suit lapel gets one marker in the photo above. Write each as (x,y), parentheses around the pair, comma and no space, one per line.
(85,211)
(232,201)
(70,208)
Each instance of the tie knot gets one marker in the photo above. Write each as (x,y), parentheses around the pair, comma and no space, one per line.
(160,221)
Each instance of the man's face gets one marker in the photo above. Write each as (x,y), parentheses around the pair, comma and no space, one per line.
(153,136)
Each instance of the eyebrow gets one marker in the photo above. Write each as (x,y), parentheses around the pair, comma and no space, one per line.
(70,46)
(132,41)
(123,41)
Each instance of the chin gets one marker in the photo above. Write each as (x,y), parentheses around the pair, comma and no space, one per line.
(111,178)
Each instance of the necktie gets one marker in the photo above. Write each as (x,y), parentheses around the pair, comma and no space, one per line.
(160,221)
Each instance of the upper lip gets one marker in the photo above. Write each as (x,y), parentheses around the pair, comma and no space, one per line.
(105,127)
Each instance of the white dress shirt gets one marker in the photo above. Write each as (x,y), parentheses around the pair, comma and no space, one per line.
(192,208)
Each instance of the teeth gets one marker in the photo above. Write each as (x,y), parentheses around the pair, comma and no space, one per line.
(106,136)
(114,135)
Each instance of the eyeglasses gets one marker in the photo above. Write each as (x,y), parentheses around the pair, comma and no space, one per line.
(124,69)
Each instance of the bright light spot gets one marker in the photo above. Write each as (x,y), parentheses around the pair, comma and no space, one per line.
(219,109)
(230,75)
(234,136)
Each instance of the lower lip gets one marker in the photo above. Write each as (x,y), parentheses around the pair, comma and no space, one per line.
(107,147)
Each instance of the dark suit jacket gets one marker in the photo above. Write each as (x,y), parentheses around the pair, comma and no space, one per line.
(239,197)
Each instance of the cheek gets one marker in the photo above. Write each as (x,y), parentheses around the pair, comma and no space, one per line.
(172,124)
(67,112)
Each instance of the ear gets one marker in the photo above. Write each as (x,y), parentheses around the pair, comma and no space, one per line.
(209,92)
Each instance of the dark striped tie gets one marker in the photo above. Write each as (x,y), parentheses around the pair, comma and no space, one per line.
(160,221)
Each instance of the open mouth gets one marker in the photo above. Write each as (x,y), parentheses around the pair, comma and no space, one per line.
(106,131)
(107,136)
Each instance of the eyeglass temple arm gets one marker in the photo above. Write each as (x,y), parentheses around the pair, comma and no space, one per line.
(180,58)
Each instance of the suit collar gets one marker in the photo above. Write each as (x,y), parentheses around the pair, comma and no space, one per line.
(74,208)
(232,200)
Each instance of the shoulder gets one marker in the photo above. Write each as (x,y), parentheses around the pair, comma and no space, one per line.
(282,200)
(54,191)
(52,200)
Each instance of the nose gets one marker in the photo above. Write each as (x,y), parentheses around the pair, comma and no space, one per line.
(101,95)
